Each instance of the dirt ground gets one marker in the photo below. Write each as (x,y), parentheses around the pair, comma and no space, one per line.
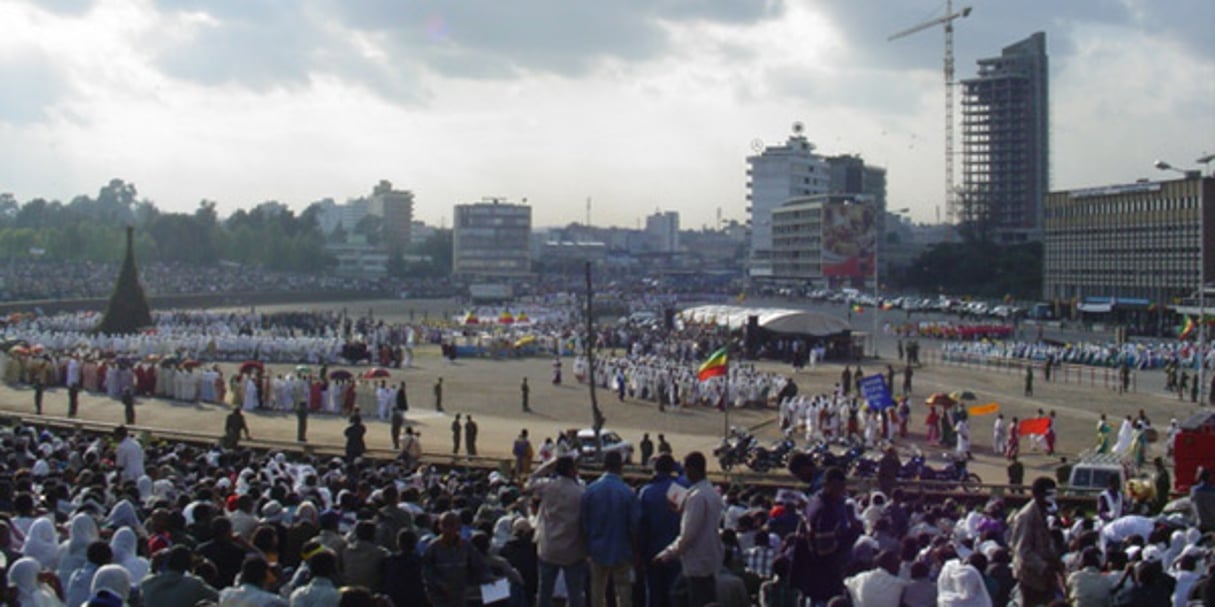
(490,391)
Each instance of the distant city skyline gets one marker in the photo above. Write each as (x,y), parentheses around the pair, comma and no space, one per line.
(636,106)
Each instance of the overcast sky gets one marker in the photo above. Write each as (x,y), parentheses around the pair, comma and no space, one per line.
(638,104)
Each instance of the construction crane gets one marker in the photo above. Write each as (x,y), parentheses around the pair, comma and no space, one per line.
(951,211)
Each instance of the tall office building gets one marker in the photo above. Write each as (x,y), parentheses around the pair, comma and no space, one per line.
(492,240)
(663,228)
(850,175)
(394,208)
(1005,143)
(775,175)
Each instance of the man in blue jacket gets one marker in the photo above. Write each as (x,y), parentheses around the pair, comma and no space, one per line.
(610,517)
(659,526)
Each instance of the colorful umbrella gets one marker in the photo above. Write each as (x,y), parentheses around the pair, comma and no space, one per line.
(963,395)
(523,341)
(19,350)
(375,373)
(340,375)
(250,366)
(506,318)
(471,319)
(940,399)
(303,369)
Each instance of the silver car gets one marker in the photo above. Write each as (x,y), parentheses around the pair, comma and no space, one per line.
(609,441)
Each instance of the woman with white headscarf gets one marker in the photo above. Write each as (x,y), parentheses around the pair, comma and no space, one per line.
(123,515)
(23,576)
(144,484)
(72,552)
(114,579)
(42,543)
(124,545)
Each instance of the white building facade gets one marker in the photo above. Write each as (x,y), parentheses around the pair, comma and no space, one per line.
(774,176)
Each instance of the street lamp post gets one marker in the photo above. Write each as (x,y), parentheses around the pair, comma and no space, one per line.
(1202,258)
(877,286)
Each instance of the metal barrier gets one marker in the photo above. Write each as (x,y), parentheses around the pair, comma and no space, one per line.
(1066,373)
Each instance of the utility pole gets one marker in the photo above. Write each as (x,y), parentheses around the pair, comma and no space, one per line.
(597,420)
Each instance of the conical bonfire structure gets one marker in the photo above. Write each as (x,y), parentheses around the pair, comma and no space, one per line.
(128,309)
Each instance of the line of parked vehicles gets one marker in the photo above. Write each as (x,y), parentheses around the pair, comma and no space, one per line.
(942,304)
(741,449)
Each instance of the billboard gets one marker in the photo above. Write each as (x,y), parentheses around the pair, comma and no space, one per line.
(849,240)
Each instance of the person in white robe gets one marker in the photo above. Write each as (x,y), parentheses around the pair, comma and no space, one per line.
(1126,436)
(962,429)
(250,395)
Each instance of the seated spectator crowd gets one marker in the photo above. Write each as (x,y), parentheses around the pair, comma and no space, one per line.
(84,521)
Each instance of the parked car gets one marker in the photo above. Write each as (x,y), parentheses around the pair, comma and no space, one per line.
(609,441)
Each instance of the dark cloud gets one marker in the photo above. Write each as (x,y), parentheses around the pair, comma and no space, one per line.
(263,45)
(34,86)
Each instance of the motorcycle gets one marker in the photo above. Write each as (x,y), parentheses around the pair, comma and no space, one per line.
(867,468)
(825,458)
(733,449)
(956,473)
(763,459)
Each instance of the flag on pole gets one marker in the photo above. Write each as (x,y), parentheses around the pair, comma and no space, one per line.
(714,366)
(1187,329)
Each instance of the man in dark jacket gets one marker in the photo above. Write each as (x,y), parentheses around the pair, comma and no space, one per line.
(403,573)
(223,551)
(520,552)
(355,446)
(391,518)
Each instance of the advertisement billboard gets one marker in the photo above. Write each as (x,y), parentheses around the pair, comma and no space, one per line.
(849,240)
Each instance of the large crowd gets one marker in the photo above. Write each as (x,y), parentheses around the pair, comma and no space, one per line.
(123,520)
(1136,355)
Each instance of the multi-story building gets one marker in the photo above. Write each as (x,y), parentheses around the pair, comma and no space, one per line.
(774,176)
(850,175)
(394,208)
(663,228)
(1006,144)
(825,239)
(491,240)
(1141,241)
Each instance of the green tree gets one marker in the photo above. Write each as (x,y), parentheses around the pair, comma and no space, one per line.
(437,249)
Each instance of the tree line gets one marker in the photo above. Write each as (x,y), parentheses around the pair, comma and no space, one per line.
(270,235)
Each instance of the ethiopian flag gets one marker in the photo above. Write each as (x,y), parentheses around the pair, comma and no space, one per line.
(1187,329)
(714,366)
